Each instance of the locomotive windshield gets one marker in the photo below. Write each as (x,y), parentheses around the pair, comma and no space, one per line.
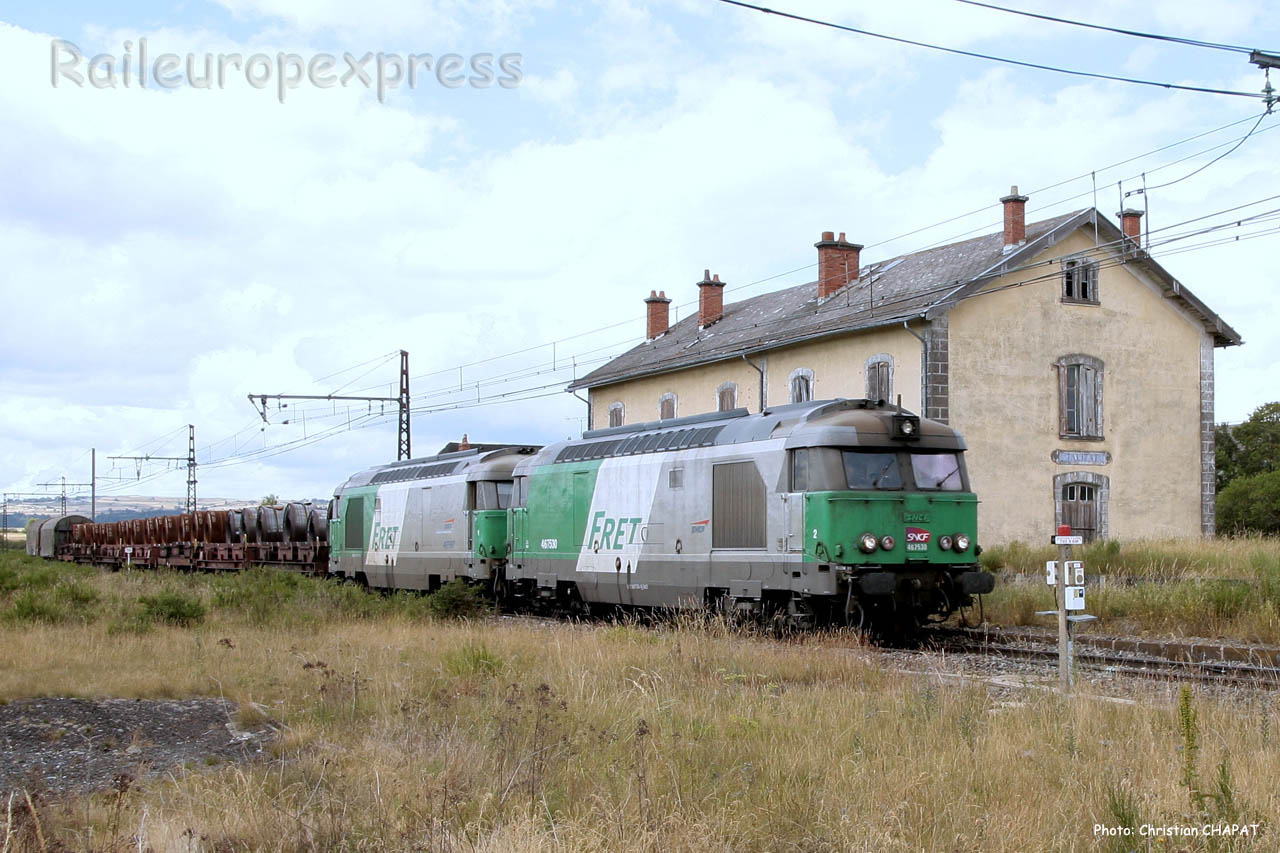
(937,471)
(816,469)
(870,470)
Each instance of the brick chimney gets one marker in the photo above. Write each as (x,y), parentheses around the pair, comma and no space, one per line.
(1015,219)
(837,263)
(464,444)
(1131,224)
(710,299)
(659,313)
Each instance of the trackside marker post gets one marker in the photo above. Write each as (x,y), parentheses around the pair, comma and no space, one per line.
(1064,540)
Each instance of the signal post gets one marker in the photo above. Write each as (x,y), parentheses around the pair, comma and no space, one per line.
(1068,598)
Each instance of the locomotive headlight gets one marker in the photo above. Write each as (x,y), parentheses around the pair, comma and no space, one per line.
(867,542)
(962,542)
(944,542)
(886,542)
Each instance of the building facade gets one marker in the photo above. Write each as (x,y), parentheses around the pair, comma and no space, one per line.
(1079,370)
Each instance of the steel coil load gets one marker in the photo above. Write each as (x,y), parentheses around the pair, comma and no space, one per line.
(318,526)
(216,527)
(150,531)
(252,532)
(170,531)
(235,526)
(271,523)
(295,522)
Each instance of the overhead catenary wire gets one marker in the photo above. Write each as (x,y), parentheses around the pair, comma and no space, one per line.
(1229,151)
(987,56)
(1119,30)
(1110,260)
(317,414)
(758,282)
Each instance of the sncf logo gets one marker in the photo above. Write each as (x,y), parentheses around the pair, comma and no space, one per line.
(917,534)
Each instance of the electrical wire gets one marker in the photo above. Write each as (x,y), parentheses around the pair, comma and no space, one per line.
(758,282)
(1231,150)
(574,362)
(524,394)
(1136,33)
(858,31)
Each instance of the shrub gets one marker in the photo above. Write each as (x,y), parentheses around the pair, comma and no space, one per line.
(277,596)
(64,601)
(172,608)
(1251,504)
(457,600)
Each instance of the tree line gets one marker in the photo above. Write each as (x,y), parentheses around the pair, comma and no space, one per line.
(1248,463)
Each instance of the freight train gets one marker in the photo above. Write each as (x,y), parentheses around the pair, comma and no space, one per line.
(847,512)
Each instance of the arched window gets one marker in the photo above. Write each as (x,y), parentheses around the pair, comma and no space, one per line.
(727,397)
(667,406)
(801,382)
(1079,396)
(1081,499)
(880,377)
(615,414)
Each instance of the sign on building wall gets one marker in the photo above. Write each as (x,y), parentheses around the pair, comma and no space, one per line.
(1081,457)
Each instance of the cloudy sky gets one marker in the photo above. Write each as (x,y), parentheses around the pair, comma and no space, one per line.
(167,252)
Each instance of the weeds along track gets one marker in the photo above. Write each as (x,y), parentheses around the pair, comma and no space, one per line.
(1202,661)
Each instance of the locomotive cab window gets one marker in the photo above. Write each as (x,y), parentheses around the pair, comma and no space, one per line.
(521,492)
(493,494)
(817,469)
(937,471)
(871,470)
(800,469)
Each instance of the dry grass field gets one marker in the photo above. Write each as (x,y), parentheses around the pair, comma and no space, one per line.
(1228,588)
(403,730)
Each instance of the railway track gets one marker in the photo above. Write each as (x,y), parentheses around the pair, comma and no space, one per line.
(1255,666)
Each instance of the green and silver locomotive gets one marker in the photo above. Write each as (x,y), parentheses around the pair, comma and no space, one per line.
(837,512)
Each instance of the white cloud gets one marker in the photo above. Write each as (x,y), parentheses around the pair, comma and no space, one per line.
(169,253)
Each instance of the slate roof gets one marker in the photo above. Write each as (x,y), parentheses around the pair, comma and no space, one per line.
(886,293)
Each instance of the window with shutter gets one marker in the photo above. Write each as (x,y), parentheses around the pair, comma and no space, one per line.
(727,397)
(1080,280)
(666,406)
(801,392)
(1080,396)
(615,415)
(880,377)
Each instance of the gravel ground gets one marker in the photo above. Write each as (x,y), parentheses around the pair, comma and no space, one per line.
(63,745)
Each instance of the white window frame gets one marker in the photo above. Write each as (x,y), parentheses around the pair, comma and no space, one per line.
(622,414)
(675,405)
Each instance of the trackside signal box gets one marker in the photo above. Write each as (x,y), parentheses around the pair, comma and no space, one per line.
(1074,581)
(1075,572)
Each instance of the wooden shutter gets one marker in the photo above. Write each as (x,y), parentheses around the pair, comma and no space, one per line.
(727,401)
(1090,289)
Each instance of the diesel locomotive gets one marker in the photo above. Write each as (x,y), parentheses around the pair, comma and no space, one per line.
(851,512)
